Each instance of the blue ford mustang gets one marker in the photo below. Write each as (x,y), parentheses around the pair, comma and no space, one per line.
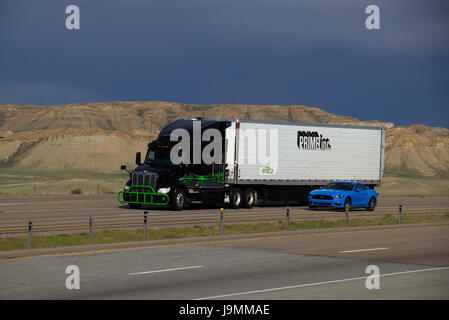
(341,194)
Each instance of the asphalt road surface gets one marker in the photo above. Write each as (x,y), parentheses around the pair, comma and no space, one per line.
(74,210)
(413,261)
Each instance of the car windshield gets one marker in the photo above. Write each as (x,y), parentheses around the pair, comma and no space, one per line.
(158,157)
(346,186)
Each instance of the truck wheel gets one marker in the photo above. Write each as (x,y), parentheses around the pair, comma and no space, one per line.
(178,200)
(236,198)
(248,198)
(134,205)
(371,205)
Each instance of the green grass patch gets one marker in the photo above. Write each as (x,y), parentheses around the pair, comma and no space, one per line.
(27,181)
(11,174)
(116,236)
(18,181)
(396,183)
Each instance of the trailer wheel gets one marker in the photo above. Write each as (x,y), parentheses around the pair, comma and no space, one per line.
(248,198)
(236,198)
(178,200)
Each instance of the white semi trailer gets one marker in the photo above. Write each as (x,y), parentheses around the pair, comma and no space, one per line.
(260,160)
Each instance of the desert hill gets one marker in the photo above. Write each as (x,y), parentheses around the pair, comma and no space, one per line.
(101,136)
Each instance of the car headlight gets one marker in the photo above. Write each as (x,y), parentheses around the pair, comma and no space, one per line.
(163,190)
(340,196)
(126,187)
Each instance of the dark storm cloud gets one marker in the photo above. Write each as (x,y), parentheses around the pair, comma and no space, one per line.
(312,52)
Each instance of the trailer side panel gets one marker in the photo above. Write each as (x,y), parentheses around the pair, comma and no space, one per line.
(274,153)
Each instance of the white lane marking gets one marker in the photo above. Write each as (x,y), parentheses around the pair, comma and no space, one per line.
(8,204)
(362,250)
(164,270)
(317,283)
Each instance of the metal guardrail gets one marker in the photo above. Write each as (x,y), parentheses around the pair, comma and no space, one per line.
(92,223)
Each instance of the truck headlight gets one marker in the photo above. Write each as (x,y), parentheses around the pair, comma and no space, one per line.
(126,187)
(163,190)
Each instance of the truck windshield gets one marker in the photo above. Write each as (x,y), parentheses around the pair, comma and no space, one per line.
(346,186)
(158,157)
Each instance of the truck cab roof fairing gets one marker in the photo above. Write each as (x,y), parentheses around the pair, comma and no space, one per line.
(164,135)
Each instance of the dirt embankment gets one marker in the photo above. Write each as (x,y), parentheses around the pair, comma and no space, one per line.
(101,136)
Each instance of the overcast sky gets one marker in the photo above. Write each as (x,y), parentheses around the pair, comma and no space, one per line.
(312,52)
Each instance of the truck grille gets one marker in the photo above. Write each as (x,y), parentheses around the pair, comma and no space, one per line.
(144,179)
(322,197)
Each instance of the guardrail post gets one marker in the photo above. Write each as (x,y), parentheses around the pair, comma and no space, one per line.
(30,235)
(145,224)
(287,219)
(400,213)
(91,230)
(346,216)
(221,221)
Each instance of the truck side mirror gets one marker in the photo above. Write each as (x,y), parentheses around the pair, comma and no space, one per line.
(123,167)
(138,158)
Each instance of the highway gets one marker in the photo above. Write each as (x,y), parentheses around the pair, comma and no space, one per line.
(61,212)
(413,261)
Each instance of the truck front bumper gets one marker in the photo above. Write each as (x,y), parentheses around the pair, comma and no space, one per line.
(145,195)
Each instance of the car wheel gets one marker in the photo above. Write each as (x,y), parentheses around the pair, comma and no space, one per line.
(348,204)
(236,198)
(248,198)
(178,200)
(372,204)
(312,207)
